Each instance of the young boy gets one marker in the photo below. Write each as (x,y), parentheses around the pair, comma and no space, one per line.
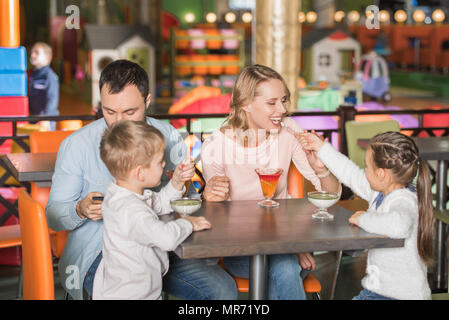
(43,85)
(135,241)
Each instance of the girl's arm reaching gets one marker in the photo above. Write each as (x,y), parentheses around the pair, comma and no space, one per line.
(341,166)
(396,222)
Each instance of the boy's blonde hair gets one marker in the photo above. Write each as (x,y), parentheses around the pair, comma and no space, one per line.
(129,144)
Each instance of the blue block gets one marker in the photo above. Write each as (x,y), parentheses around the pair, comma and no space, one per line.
(13,84)
(13,60)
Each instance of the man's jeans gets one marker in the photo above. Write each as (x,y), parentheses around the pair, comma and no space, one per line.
(88,283)
(192,279)
(284,275)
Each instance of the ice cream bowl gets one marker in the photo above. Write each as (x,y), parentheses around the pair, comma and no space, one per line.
(185,206)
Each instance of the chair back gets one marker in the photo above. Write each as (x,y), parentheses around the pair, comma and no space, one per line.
(47,141)
(42,142)
(295,182)
(356,130)
(69,125)
(297,186)
(38,282)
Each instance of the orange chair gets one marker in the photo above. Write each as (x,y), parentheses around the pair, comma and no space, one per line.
(295,182)
(310,282)
(38,282)
(10,237)
(47,141)
(42,142)
(69,125)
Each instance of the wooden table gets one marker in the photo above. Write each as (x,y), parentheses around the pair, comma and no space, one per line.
(32,167)
(241,228)
(434,148)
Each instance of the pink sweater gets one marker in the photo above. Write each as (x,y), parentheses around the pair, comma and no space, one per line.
(222,156)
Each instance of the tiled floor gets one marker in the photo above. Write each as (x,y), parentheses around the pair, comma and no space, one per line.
(348,285)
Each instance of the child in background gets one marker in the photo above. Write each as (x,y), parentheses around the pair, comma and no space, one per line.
(135,241)
(396,209)
(43,85)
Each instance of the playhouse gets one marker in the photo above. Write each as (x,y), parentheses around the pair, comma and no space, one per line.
(328,55)
(106,43)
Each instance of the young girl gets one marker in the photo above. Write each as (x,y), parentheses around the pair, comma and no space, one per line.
(135,241)
(396,209)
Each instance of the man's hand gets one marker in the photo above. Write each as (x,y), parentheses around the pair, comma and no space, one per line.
(90,209)
(306,261)
(217,189)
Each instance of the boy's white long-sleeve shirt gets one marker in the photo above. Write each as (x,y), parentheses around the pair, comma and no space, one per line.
(392,272)
(135,243)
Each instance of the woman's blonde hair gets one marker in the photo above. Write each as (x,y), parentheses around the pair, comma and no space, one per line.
(399,153)
(245,90)
(129,144)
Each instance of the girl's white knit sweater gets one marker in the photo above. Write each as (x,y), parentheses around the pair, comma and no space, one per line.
(392,272)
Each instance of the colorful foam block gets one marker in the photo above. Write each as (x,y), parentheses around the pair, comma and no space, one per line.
(13,60)
(14,107)
(11,107)
(13,84)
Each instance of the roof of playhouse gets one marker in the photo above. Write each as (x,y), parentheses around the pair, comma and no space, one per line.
(324,33)
(112,36)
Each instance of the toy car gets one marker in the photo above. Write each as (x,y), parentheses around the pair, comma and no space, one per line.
(372,72)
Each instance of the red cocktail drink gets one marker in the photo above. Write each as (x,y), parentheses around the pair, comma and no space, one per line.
(268,181)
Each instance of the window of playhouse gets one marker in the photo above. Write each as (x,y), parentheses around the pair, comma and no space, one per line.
(324,60)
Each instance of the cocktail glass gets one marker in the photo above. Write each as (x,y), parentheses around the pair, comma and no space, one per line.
(323,200)
(268,181)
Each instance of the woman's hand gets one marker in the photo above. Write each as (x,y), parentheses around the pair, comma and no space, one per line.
(310,140)
(217,189)
(311,144)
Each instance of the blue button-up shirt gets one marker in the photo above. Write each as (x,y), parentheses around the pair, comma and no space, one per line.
(79,171)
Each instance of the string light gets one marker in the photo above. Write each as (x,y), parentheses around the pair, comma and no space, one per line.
(353,16)
(419,16)
(400,16)
(211,17)
(438,15)
(339,16)
(384,16)
(247,17)
(301,17)
(311,17)
(230,17)
(189,17)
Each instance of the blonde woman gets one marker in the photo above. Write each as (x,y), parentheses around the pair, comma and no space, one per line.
(251,138)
